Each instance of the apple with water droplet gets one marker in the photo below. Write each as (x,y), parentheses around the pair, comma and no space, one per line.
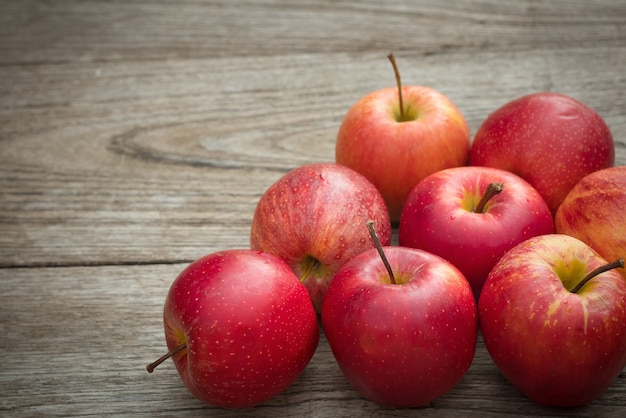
(313,216)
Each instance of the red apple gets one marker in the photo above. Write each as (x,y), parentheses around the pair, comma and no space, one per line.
(313,218)
(395,148)
(549,139)
(593,212)
(444,215)
(402,343)
(240,327)
(558,343)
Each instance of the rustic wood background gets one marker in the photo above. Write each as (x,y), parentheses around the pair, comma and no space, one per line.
(137,136)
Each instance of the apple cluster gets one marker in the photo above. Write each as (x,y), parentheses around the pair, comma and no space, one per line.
(515,235)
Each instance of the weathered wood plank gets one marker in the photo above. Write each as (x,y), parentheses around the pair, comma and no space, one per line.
(123,171)
(76,341)
(84,31)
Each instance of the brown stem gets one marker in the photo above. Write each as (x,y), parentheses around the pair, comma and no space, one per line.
(492,190)
(379,247)
(150,367)
(615,264)
(311,263)
(399,83)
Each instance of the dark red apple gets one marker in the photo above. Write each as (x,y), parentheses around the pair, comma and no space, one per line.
(549,139)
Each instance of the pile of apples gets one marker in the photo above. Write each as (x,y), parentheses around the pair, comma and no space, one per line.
(516,234)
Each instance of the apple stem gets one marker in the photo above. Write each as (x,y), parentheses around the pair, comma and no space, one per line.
(311,264)
(492,190)
(399,83)
(615,264)
(379,247)
(150,367)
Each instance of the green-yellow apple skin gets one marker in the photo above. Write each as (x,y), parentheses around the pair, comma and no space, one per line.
(314,218)
(594,212)
(559,348)
(396,154)
(549,139)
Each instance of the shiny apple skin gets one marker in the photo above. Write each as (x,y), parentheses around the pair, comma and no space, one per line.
(249,326)
(436,218)
(594,211)
(319,210)
(395,155)
(401,345)
(549,139)
(558,348)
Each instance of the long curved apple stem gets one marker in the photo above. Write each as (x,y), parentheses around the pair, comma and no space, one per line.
(615,264)
(379,247)
(399,83)
(150,367)
(492,190)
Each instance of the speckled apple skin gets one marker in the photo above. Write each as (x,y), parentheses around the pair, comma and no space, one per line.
(594,211)
(394,155)
(560,349)
(436,219)
(405,344)
(319,210)
(249,326)
(549,139)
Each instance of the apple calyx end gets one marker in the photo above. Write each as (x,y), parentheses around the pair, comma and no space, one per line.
(492,190)
(379,248)
(619,263)
(150,367)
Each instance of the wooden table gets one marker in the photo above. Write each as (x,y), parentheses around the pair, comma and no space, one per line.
(137,136)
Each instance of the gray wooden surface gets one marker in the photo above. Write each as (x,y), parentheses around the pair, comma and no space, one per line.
(136,136)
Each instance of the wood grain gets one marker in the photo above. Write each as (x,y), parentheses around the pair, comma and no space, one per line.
(137,136)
